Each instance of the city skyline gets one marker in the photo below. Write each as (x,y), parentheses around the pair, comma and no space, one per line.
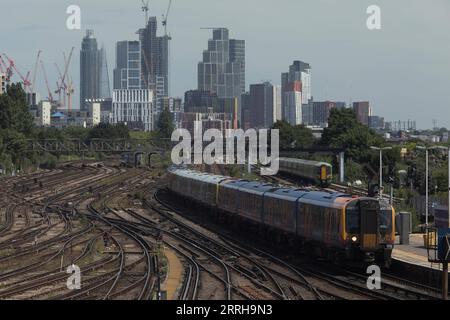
(401,69)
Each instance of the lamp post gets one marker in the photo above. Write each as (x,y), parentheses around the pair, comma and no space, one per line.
(448,151)
(426,181)
(427,152)
(381,167)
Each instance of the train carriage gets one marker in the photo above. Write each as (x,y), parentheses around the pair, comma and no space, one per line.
(280,209)
(318,172)
(227,198)
(356,228)
(250,200)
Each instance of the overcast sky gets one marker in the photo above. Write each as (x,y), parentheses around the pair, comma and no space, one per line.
(402,69)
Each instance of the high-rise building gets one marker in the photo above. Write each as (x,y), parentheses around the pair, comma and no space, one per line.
(376,122)
(155,60)
(363,111)
(90,69)
(127,74)
(277,110)
(258,106)
(2,83)
(292,103)
(200,101)
(299,72)
(321,112)
(222,69)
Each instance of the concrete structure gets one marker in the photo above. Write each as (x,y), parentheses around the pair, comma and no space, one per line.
(127,73)
(154,59)
(376,122)
(292,103)
(200,101)
(192,121)
(277,103)
(93,84)
(363,111)
(258,106)
(2,83)
(135,108)
(43,113)
(299,72)
(321,112)
(222,69)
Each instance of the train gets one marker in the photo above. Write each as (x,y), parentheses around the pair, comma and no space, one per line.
(319,173)
(333,225)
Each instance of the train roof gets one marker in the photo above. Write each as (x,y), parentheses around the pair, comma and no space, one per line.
(198,175)
(305,162)
(234,184)
(331,199)
(288,193)
(257,187)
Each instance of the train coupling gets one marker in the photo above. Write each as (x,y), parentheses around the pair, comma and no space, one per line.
(369,256)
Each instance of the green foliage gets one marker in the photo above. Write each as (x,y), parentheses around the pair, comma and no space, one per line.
(293,136)
(344,131)
(14,113)
(165,125)
(109,131)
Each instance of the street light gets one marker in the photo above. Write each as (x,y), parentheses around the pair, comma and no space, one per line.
(381,167)
(448,151)
(427,150)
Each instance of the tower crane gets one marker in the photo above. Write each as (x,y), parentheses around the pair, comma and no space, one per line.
(8,69)
(50,96)
(25,80)
(145,9)
(33,83)
(165,17)
(61,86)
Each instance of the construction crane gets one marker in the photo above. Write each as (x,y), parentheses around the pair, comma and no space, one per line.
(50,96)
(145,9)
(35,72)
(8,69)
(61,87)
(25,80)
(166,16)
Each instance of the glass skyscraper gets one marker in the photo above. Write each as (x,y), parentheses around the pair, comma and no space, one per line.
(222,70)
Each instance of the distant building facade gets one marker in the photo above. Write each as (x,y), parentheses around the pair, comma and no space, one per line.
(127,73)
(222,69)
(297,79)
(258,106)
(200,101)
(363,111)
(376,122)
(134,108)
(292,103)
(321,112)
(94,79)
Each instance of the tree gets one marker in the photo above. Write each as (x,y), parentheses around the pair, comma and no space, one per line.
(298,136)
(14,113)
(165,125)
(109,131)
(344,131)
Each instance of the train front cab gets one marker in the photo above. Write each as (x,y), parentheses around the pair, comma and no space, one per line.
(369,230)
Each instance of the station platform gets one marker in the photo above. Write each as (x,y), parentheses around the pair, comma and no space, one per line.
(414,254)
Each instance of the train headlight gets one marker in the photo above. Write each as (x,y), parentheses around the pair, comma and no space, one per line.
(354,238)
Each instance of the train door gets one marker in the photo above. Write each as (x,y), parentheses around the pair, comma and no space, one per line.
(369,223)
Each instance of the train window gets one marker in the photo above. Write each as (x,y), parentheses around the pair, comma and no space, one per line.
(352,219)
(385,220)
